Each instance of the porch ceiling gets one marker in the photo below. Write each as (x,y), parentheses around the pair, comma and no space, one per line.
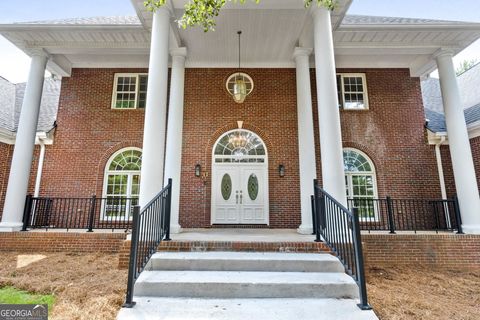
(271,30)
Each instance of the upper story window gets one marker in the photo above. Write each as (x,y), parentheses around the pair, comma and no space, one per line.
(352,91)
(130,91)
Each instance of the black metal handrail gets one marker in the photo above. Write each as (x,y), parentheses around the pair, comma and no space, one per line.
(150,226)
(78,213)
(392,215)
(340,228)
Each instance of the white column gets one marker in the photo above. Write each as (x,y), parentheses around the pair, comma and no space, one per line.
(24,146)
(173,155)
(306,142)
(461,154)
(328,113)
(156,109)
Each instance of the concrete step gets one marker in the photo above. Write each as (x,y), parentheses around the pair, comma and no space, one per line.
(244,261)
(250,284)
(148,308)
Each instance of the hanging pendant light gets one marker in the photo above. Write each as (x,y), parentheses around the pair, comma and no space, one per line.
(240,87)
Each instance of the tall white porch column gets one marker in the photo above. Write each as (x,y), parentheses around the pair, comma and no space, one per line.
(156,109)
(173,156)
(461,153)
(24,146)
(306,142)
(328,113)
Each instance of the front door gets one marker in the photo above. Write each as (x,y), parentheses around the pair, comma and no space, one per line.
(239,179)
(239,194)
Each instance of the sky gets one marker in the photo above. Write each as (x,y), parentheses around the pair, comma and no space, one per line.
(14,64)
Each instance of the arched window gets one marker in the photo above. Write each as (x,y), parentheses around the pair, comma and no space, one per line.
(122,183)
(239,146)
(360,182)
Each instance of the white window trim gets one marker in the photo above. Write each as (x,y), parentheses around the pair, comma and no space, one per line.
(365,90)
(137,87)
(108,172)
(372,173)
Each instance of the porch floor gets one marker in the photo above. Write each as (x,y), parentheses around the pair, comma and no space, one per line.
(242,235)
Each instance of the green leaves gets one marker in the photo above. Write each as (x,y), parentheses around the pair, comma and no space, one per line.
(203,12)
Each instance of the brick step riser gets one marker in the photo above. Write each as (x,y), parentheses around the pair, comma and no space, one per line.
(301,247)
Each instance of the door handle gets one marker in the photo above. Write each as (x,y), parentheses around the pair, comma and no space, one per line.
(236,197)
(241,197)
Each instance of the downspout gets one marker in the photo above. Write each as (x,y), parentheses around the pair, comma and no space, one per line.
(441,177)
(40,168)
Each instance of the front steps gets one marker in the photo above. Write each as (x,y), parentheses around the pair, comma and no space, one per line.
(244,285)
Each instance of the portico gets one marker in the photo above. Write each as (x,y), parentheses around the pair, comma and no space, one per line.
(279,35)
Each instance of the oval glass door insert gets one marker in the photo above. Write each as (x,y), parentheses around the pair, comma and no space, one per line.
(252,187)
(226,186)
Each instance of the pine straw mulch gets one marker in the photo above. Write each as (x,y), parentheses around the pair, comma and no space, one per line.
(89,286)
(86,286)
(421,293)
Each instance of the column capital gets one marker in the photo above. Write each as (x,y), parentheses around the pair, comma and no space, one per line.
(39,52)
(315,9)
(443,52)
(179,52)
(302,52)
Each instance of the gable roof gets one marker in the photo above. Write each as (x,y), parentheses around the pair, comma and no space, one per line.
(11,99)
(469,86)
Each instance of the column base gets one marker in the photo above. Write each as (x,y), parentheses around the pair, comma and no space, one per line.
(10,226)
(175,229)
(471,228)
(305,229)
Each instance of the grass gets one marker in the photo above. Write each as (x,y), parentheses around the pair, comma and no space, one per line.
(10,295)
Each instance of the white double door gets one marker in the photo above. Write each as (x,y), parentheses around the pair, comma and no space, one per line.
(239,194)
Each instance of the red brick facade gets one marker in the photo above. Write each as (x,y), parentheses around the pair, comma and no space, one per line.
(391,133)
(5,160)
(447,165)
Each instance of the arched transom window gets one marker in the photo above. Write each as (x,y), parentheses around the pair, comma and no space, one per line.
(360,182)
(239,146)
(122,183)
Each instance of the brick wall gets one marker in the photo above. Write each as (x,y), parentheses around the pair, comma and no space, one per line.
(5,159)
(61,241)
(447,165)
(6,153)
(391,133)
(430,250)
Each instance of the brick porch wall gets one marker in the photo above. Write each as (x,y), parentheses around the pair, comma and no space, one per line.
(52,241)
(390,132)
(426,250)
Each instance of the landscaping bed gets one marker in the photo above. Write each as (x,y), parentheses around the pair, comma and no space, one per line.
(89,286)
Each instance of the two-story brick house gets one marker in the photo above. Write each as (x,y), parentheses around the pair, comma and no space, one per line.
(327,96)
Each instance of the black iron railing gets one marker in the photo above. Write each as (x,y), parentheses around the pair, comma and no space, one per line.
(150,226)
(78,213)
(340,229)
(407,214)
